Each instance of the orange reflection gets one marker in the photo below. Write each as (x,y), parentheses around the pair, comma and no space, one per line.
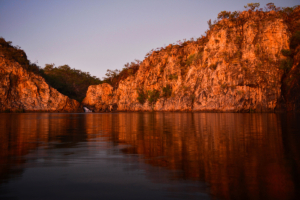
(239,155)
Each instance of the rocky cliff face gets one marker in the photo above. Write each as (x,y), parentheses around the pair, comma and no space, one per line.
(235,68)
(21,90)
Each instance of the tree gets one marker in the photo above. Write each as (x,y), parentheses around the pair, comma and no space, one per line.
(209,24)
(252,6)
(224,14)
(234,15)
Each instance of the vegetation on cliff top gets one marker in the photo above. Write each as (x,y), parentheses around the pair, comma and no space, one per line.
(74,83)
(70,82)
(113,77)
(15,53)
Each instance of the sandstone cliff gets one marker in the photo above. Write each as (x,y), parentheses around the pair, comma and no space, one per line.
(235,68)
(21,90)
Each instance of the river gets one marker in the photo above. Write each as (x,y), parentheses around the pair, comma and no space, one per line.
(158,155)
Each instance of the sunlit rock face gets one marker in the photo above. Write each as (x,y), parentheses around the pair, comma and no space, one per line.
(21,90)
(235,68)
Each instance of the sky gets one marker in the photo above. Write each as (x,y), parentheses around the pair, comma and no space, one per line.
(95,35)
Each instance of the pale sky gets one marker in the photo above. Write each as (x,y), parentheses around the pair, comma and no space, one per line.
(95,35)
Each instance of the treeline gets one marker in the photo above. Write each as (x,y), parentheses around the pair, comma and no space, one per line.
(15,53)
(113,77)
(70,82)
(283,12)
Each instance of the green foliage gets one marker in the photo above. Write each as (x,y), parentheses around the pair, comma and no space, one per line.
(194,58)
(224,86)
(238,39)
(16,54)
(252,6)
(295,40)
(288,10)
(240,92)
(70,82)
(193,97)
(167,91)
(210,25)
(190,59)
(153,96)
(173,77)
(142,96)
(286,52)
(224,15)
(271,6)
(114,77)
(286,64)
(238,54)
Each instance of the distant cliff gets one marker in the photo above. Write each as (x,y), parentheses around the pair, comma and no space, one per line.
(241,65)
(22,90)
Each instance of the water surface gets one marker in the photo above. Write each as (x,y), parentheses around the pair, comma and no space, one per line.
(149,156)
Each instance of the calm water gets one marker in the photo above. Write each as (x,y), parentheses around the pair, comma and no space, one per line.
(149,156)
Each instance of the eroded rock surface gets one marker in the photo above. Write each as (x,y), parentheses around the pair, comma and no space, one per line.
(21,90)
(233,69)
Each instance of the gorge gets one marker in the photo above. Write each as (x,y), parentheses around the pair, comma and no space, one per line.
(247,62)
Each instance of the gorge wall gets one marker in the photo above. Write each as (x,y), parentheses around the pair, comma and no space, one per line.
(235,68)
(21,90)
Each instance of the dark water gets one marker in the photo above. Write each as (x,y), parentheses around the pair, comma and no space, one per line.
(149,156)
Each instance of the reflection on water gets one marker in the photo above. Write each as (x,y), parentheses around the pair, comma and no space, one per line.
(150,155)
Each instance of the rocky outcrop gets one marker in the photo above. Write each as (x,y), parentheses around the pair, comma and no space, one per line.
(235,68)
(21,90)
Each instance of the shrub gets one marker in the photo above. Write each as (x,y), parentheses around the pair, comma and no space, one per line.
(193,97)
(142,96)
(295,40)
(239,92)
(13,79)
(190,59)
(238,54)
(238,39)
(173,77)
(153,96)
(286,64)
(167,91)
(114,77)
(286,52)
(224,85)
